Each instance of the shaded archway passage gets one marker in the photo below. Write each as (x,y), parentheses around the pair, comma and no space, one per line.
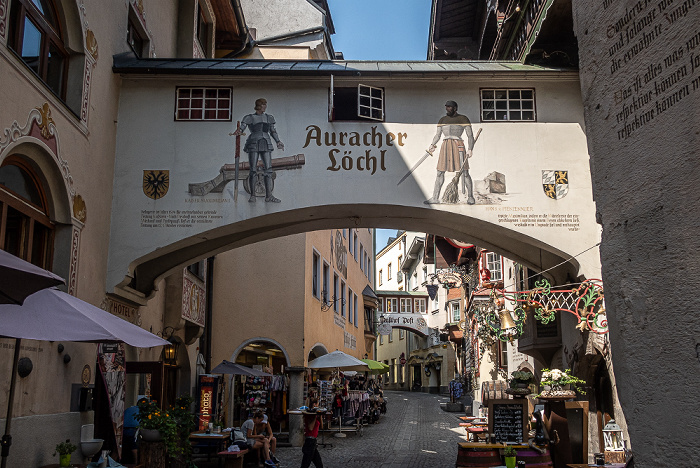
(533,253)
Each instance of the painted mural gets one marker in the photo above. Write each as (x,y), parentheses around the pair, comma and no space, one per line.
(435,150)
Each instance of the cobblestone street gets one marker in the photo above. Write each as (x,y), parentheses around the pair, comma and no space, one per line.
(414,433)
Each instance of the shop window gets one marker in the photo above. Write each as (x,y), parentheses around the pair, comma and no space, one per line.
(35,36)
(405,306)
(512,105)
(315,274)
(357,103)
(25,228)
(208,104)
(495,266)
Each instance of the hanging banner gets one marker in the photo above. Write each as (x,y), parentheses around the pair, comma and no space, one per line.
(208,386)
(411,322)
(111,358)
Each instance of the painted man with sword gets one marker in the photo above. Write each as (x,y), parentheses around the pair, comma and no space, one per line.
(259,146)
(453,154)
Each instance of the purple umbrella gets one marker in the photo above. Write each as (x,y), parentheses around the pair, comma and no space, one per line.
(19,279)
(52,315)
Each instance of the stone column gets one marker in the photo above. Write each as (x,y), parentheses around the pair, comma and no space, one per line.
(296,399)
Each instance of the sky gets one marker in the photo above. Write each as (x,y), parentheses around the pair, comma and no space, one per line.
(381,30)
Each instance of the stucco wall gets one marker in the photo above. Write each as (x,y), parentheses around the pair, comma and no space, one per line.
(639,80)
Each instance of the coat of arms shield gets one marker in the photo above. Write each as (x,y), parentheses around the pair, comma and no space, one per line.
(555,183)
(156,183)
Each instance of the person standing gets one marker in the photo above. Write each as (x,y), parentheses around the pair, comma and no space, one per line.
(310,448)
(453,155)
(258,145)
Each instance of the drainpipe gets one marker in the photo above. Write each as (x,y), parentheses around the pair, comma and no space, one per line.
(208,314)
(244,34)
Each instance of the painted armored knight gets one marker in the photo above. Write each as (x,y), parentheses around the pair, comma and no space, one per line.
(258,145)
(453,154)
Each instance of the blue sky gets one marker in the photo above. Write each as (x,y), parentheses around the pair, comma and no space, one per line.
(381,30)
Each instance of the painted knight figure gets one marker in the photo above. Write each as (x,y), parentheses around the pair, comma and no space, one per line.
(258,145)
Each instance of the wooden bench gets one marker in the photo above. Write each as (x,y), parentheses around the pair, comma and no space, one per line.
(232,459)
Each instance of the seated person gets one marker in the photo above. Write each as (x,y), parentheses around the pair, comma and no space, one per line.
(265,429)
(257,441)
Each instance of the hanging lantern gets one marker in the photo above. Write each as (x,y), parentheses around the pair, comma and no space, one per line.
(432,290)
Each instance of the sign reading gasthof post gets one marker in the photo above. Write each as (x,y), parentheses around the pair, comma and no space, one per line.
(508,420)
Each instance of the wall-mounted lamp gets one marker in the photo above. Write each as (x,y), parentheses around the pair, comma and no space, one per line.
(326,304)
(169,354)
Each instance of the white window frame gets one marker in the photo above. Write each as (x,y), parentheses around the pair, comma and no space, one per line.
(391,336)
(494,263)
(406,305)
(507,105)
(368,101)
(381,340)
(380,277)
(388,272)
(350,305)
(342,298)
(336,285)
(362,257)
(222,103)
(325,281)
(316,274)
(392,305)
(419,306)
(402,333)
(455,311)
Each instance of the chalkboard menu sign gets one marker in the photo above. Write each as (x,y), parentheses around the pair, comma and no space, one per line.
(508,420)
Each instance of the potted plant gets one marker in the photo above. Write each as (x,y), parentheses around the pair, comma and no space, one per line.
(519,383)
(509,454)
(64,451)
(157,425)
(560,384)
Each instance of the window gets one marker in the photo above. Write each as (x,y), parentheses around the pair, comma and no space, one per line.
(362,257)
(326,282)
(335,292)
(503,354)
(201,30)
(361,103)
(203,104)
(350,306)
(315,273)
(350,245)
(455,311)
(391,336)
(388,274)
(507,105)
(354,242)
(493,264)
(135,37)
(342,298)
(405,306)
(419,306)
(391,305)
(402,333)
(197,269)
(25,228)
(345,233)
(35,35)
(380,306)
(380,277)
(354,307)
(393,370)
(381,340)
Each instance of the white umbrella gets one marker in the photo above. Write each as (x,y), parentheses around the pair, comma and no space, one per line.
(52,315)
(338,360)
(19,279)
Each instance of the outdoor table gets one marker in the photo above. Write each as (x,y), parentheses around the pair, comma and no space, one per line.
(475,432)
(586,465)
(233,459)
(215,441)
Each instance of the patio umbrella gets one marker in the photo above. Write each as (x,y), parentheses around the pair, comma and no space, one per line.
(338,360)
(228,367)
(19,279)
(376,367)
(52,315)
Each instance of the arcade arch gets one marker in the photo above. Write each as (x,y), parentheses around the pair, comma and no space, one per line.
(267,352)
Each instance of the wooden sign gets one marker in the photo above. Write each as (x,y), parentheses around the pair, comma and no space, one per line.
(508,420)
